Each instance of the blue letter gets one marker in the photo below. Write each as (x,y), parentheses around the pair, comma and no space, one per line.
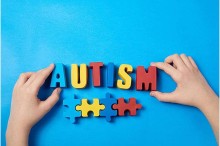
(58,78)
(110,75)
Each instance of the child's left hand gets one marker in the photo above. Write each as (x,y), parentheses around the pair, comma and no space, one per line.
(26,108)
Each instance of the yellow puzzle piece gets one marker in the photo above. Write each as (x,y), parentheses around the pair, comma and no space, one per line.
(95,107)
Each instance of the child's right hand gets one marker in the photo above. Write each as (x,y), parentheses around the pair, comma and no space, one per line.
(26,108)
(192,88)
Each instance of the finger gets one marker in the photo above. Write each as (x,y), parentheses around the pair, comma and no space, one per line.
(31,79)
(193,62)
(164,97)
(186,61)
(41,76)
(23,78)
(174,66)
(51,100)
(167,68)
(176,60)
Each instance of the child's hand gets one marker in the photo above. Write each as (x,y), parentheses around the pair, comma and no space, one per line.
(192,88)
(26,107)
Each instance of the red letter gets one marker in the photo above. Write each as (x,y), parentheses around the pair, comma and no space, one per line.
(96,72)
(146,80)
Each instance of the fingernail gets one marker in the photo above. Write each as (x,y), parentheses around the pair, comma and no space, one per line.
(58,90)
(151,94)
(152,63)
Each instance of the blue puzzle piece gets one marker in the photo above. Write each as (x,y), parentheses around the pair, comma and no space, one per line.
(58,76)
(108,112)
(70,108)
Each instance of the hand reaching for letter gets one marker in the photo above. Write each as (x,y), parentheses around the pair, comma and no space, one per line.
(192,88)
(26,108)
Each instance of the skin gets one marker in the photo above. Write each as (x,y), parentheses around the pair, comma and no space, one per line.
(26,108)
(192,89)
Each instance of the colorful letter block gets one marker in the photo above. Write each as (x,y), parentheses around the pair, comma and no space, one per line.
(79,78)
(58,78)
(96,73)
(123,72)
(110,75)
(146,80)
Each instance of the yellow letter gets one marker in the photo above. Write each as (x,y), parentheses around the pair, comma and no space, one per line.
(123,72)
(79,78)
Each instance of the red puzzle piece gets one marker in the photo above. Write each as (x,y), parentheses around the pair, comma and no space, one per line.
(131,106)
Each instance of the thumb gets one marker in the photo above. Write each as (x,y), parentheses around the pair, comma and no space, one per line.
(164,97)
(51,100)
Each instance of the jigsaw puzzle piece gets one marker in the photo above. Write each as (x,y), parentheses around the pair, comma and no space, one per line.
(131,106)
(95,107)
(108,112)
(70,108)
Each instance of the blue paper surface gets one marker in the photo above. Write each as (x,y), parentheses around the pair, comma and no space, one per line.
(37,33)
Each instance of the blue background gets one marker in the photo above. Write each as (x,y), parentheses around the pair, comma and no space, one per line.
(37,33)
